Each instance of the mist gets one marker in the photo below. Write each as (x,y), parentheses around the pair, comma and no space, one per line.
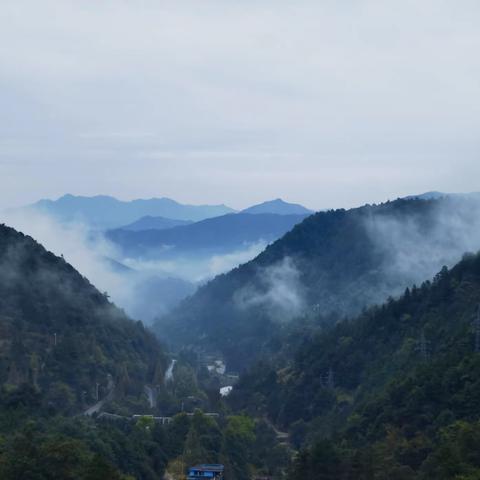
(416,248)
(144,288)
(278,291)
(404,247)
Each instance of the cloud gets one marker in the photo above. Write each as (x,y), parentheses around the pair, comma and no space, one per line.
(415,248)
(150,288)
(89,254)
(223,263)
(278,291)
(200,267)
(313,101)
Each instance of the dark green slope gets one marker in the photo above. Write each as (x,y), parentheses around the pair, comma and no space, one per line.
(335,262)
(59,339)
(60,336)
(394,393)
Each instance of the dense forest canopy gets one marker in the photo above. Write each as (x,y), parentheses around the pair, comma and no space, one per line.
(393,393)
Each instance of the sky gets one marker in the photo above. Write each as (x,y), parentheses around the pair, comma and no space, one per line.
(320,102)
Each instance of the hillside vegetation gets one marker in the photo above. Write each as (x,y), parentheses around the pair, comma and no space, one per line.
(63,347)
(391,394)
(335,263)
(62,336)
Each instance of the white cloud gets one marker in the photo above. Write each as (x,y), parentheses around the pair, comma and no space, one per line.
(130,98)
(150,288)
(279,291)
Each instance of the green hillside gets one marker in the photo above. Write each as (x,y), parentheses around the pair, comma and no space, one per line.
(391,394)
(63,347)
(61,336)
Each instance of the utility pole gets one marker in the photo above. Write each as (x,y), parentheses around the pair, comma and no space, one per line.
(55,339)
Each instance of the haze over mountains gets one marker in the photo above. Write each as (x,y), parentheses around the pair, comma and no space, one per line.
(54,323)
(436,195)
(289,320)
(125,262)
(154,223)
(334,263)
(233,249)
(215,235)
(392,393)
(104,212)
(83,389)
(154,262)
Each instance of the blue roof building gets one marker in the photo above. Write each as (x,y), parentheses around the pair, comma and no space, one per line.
(206,471)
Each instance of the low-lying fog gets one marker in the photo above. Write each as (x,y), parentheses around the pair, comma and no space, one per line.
(144,287)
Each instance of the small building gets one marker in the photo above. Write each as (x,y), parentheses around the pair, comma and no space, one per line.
(206,471)
(226,391)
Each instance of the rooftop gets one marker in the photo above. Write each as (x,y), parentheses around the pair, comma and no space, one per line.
(208,467)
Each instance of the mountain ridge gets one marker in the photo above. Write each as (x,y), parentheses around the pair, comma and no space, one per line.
(51,315)
(105,212)
(279,207)
(392,393)
(337,262)
(218,234)
(149,222)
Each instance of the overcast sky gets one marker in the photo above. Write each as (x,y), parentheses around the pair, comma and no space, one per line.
(327,103)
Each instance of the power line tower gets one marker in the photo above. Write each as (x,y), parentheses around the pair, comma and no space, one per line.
(476,326)
(329,380)
(423,346)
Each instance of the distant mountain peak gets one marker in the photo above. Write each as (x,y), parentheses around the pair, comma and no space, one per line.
(150,222)
(104,212)
(279,207)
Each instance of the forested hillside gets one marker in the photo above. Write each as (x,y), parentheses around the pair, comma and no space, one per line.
(63,348)
(61,336)
(391,394)
(335,263)
(66,350)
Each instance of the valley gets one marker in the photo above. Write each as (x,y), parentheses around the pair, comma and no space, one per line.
(239,240)
(330,337)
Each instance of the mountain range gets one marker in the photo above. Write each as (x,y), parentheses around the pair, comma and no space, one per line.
(335,263)
(154,223)
(360,384)
(103,212)
(214,235)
